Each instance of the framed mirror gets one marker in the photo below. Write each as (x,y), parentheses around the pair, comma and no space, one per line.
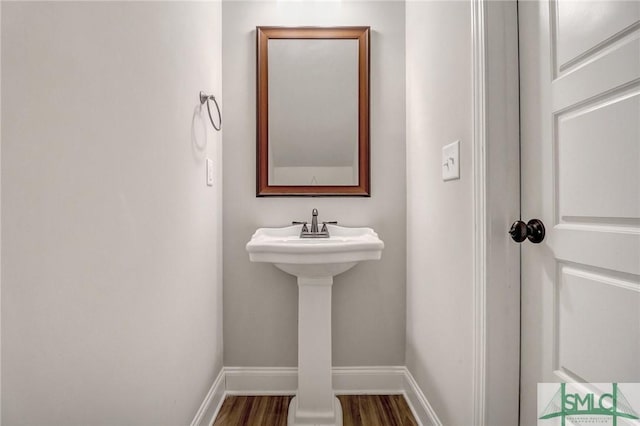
(313,111)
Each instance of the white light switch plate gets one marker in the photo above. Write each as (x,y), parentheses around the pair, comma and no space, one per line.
(209,172)
(451,161)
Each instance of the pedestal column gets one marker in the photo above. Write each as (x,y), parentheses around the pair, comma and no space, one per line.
(315,402)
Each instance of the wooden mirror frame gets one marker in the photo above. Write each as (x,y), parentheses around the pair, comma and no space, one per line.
(262,155)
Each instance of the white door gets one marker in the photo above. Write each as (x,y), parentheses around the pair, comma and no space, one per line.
(580,165)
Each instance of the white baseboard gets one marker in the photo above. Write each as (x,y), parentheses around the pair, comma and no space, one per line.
(212,402)
(284,381)
(418,403)
(390,380)
(261,380)
(368,380)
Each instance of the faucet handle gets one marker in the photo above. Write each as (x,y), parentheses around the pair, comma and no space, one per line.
(324,225)
(304,225)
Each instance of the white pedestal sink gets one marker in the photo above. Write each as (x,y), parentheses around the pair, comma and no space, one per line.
(315,261)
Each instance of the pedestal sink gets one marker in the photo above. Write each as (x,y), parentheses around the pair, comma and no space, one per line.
(315,261)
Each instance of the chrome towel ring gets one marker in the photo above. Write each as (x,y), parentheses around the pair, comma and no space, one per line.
(205,98)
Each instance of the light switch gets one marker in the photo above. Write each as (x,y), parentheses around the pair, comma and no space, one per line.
(451,161)
(209,172)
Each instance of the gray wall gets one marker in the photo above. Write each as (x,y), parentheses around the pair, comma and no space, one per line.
(260,302)
(111,278)
(440,214)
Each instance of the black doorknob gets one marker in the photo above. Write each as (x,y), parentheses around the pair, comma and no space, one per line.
(533,230)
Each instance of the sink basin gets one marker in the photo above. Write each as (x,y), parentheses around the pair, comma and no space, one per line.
(315,261)
(314,257)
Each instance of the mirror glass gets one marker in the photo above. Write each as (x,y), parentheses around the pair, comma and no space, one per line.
(313,111)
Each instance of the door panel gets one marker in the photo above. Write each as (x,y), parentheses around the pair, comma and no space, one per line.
(584,26)
(598,316)
(588,82)
(580,144)
(597,156)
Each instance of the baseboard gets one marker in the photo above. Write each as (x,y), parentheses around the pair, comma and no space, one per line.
(418,402)
(386,380)
(212,402)
(368,380)
(284,381)
(261,380)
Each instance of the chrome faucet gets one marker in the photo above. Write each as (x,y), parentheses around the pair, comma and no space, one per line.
(314,221)
(305,232)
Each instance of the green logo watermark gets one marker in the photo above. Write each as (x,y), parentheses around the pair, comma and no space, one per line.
(588,404)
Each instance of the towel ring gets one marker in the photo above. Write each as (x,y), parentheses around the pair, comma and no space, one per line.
(205,98)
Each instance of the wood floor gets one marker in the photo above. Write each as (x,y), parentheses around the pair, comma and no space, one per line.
(358,410)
